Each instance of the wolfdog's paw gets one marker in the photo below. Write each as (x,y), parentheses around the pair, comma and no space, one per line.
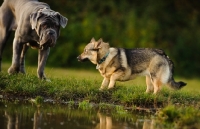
(113,89)
(148,91)
(101,89)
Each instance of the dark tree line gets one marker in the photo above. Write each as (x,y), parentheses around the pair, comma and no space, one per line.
(172,25)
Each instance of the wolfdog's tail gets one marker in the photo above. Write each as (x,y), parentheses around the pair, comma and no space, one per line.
(176,85)
(171,83)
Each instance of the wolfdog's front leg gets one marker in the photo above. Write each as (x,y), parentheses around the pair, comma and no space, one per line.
(104,83)
(111,84)
(115,76)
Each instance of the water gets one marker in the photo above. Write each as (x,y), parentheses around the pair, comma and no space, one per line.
(50,116)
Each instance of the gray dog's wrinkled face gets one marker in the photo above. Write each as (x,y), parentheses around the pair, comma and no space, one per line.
(48,31)
(47,24)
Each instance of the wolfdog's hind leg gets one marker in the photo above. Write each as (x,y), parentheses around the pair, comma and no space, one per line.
(149,84)
(157,85)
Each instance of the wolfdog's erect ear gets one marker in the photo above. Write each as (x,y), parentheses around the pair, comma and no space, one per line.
(92,40)
(97,45)
(100,40)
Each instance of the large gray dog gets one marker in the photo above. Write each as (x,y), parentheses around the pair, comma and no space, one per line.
(35,25)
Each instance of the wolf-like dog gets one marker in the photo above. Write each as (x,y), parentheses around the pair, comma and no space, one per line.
(119,64)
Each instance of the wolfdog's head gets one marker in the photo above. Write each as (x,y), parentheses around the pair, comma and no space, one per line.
(94,51)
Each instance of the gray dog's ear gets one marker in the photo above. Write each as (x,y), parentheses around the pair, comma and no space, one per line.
(34,18)
(63,20)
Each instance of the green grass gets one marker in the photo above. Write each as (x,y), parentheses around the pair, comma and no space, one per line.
(192,83)
(80,88)
(72,84)
(179,117)
(81,85)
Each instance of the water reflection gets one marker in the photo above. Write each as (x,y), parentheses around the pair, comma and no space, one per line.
(148,124)
(12,121)
(27,116)
(105,122)
(37,119)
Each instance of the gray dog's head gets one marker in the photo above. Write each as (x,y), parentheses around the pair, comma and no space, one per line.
(47,24)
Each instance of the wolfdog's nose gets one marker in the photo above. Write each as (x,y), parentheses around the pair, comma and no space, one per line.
(79,58)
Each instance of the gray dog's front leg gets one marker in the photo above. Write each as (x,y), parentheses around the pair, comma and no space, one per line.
(17,48)
(0,63)
(22,59)
(42,58)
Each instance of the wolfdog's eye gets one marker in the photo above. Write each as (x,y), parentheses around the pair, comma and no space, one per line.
(86,50)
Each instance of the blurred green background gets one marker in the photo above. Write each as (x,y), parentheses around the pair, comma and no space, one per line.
(171,25)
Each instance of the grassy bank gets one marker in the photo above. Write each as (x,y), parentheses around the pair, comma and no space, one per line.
(85,87)
(80,88)
(80,85)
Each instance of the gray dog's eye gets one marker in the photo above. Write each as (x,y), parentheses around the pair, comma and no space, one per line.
(55,26)
(44,26)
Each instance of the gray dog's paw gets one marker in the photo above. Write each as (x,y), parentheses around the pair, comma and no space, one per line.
(47,80)
(12,70)
(22,70)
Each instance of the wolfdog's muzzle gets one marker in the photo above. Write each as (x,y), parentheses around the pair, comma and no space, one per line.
(82,59)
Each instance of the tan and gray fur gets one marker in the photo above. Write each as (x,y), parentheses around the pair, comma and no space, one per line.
(119,64)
